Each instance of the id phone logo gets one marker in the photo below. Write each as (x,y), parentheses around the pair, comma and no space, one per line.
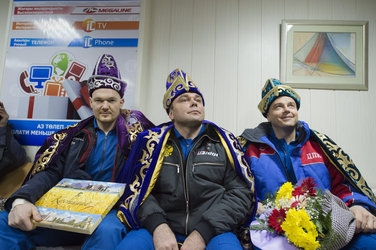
(88,41)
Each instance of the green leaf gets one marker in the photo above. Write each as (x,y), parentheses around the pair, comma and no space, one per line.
(258,227)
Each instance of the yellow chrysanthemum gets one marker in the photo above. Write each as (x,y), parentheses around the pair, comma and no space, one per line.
(284,193)
(300,230)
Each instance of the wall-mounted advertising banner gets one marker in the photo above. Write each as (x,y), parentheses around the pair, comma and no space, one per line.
(53,47)
(33,132)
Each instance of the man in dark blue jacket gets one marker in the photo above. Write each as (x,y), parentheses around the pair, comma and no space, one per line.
(191,183)
(95,148)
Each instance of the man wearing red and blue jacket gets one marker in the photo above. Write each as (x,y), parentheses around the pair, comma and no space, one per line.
(285,149)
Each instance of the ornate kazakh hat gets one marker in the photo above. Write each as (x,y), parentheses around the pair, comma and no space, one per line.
(177,83)
(273,89)
(106,75)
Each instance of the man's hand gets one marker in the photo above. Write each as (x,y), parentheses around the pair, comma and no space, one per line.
(3,115)
(194,241)
(365,221)
(164,238)
(23,216)
(260,208)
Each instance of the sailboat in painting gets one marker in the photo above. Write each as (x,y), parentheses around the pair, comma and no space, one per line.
(324,54)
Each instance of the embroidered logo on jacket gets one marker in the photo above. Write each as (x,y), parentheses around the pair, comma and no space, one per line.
(313,155)
(207,153)
(168,150)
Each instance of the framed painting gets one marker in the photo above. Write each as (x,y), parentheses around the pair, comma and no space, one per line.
(317,54)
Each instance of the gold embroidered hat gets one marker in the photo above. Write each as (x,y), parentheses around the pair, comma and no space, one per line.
(106,75)
(177,83)
(273,89)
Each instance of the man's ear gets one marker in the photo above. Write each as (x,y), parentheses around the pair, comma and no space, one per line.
(267,116)
(122,102)
(91,101)
(171,113)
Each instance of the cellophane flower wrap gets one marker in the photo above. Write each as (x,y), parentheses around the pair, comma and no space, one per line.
(296,213)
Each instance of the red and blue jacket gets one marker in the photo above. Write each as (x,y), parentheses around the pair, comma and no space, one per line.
(308,159)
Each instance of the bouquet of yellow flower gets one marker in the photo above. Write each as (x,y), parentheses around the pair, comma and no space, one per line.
(297,213)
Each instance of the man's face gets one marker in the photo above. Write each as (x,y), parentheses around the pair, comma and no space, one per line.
(283,112)
(187,110)
(106,104)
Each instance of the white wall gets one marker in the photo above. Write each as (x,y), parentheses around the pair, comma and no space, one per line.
(230,47)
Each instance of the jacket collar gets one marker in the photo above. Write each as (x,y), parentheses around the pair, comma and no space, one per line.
(263,129)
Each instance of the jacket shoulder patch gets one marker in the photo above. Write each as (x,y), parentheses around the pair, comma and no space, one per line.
(256,150)
(311,153)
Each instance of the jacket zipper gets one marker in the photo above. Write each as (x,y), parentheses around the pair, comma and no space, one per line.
(283,165)
(280,159)
(185,189)
(175,165)
(289,178)
(206,163)
(104,149)
(186,182)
